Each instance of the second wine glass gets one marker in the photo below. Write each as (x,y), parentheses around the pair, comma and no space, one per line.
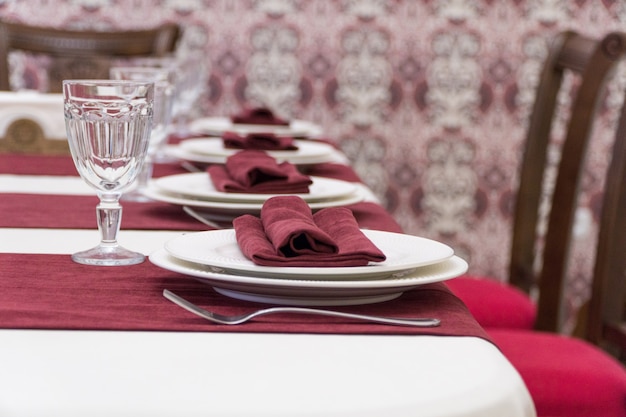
(163,102)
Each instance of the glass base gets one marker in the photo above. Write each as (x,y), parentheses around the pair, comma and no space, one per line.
(108,256)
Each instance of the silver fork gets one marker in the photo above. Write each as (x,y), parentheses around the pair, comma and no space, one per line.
(238,319)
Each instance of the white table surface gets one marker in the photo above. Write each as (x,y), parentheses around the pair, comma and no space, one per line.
(105,373)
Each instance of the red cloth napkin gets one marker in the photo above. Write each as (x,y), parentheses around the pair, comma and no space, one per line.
(262,141)
(253,171)
(288,234)
(258,116)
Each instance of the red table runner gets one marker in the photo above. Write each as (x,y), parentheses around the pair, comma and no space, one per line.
(60,165)
(78,212)
(53,292)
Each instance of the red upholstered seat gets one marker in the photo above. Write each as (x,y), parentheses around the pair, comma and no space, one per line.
(495,304)
(566,377)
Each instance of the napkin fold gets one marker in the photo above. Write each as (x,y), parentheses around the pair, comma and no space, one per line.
(262,141)
(287,233)
(254,171)
(258,116)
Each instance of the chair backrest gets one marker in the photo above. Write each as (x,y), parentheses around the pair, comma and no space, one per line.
(545,269)
(605,321)
(81,54)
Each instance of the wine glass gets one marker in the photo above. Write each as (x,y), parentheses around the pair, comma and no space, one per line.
(192,74)
(163,79)
(108,126)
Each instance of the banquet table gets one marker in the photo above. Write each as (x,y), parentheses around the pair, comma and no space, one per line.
(81,340)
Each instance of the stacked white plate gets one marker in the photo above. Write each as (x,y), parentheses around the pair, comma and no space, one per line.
(214,257)
(197,190)
(211,150)
(218,125)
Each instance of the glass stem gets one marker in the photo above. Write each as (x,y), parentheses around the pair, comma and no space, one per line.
(109,214)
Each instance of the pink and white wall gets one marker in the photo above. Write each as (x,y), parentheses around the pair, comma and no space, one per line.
(428,98)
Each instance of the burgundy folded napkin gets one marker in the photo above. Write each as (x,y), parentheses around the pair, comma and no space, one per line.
(253,171)
(262,141)
(258,116)
(289,234)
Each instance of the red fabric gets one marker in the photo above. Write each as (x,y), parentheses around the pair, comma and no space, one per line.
(79,212)
(38,210)
(495,304)
(53,292)
(258,116)
(374,216)
(252,171)
(566,377)
(262,141)
(288,234)
(61,165)
(333,170)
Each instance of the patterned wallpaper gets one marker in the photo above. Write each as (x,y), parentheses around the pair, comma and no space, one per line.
(428,98)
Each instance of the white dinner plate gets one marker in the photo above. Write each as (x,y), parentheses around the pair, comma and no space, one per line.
(311,292)
(198,185)
(307,150)
(237,208)
(177,152)
(219,125)
(218,249)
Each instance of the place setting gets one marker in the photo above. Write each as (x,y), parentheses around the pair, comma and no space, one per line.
(264,131)
(247,179)
(290,255)
(255,119)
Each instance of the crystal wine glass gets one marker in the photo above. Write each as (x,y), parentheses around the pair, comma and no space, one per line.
(163,79)
(108,126)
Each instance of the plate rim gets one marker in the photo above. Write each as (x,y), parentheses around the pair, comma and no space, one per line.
(296,127)
(176,151)
(152,192)
(324,149)
(369,272)
(251,197)
(457,266)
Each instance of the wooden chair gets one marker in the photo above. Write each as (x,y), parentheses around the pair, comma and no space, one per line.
(604,323)
(72,54)
(538,264)
(81,54)
(567,376)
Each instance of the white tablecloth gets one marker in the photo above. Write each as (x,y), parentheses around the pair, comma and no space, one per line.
(102,373)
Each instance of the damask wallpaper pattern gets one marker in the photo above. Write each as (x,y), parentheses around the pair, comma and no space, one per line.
(428,98)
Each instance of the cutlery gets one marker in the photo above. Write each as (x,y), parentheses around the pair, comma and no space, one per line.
(190,167)
(202,219)
(242,318)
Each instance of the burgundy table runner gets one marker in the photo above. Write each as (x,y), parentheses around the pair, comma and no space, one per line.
(61,165)
(53,292)
(78,212)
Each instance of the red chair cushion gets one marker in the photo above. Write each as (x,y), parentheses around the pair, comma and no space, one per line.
(495,304)
(566,377)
